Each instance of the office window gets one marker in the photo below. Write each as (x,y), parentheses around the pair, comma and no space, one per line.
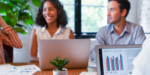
(143,15)
(85,17)
(93,14)
(69,8)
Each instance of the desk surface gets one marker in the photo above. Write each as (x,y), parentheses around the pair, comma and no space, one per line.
(50,72)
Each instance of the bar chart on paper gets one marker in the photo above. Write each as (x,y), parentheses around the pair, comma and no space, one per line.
(114,63)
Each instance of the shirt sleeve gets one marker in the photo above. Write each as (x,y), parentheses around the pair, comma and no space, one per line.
(140,36)
(9,37)
(99,41)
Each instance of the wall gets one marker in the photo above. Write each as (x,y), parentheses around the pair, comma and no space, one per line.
(22,55)
(143,14)
(132,16)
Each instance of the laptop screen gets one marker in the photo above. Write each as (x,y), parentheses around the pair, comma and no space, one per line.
(117,61)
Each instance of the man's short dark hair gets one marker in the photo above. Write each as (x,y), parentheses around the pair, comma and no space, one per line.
(124,4)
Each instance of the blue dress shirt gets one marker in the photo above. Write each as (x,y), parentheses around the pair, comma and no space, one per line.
(132,34)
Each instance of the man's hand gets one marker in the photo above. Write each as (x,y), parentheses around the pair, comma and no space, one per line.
(0,19)
(2,22)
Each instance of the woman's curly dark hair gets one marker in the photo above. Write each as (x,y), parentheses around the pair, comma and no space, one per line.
(61,14)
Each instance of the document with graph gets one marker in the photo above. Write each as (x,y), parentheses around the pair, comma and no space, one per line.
(119,61)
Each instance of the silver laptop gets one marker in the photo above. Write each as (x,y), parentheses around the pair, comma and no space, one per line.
(116,59)
(76,50)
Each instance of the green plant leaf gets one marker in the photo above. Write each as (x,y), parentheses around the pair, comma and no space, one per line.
(21,26)
(20,30)
(2,13)
(36,2)
(28,21)
(59,63)
(19,0)
(26,17)
(13,11)
(12,18)
(53,63)
(6,6)
(56,62)
(4,0)
(22,5)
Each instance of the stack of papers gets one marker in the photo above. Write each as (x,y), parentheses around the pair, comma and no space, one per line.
(88,73)
(92,64)
(8,69)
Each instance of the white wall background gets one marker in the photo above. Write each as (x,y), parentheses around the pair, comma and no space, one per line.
(143,14)
(132,16)
(22,55)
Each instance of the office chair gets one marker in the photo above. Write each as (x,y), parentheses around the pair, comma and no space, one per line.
(8,52)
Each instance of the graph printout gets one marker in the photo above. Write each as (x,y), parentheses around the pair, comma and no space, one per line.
(119,61)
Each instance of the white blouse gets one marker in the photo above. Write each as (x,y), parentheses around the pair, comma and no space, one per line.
(61,33)
(42,33)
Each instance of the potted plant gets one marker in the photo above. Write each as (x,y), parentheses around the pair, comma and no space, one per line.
(59,64)
(14,12)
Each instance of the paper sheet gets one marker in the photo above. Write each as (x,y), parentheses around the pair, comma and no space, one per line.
(29,68)
(18,70)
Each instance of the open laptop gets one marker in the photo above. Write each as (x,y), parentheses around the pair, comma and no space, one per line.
(116,59)
(76,50)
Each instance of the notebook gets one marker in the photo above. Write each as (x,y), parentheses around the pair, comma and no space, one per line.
(116,59)
(76,50)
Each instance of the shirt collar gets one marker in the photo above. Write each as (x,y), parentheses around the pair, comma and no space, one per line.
(60,30)
(111,28)
(126,29)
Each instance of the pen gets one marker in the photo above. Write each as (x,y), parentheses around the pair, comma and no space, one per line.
(45,74)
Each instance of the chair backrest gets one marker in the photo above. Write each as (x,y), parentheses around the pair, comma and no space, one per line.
(8,52)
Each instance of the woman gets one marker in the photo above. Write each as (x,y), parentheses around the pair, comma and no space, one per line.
(51,24)
(8,37)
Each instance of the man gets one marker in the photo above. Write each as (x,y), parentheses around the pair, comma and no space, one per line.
(9,37)
(118,31)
